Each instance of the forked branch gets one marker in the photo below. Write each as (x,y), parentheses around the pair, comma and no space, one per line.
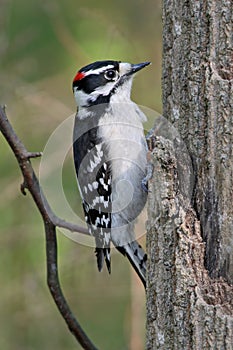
(51,221)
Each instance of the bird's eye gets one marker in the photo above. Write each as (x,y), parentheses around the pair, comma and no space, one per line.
(110,74)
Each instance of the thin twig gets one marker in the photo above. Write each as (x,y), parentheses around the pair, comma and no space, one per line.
(50,220)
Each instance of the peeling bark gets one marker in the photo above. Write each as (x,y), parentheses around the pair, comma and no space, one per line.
(189,241)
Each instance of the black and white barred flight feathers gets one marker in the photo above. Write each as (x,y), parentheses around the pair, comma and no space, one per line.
(110,158)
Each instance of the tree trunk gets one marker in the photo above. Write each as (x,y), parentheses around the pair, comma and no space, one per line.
(190,244)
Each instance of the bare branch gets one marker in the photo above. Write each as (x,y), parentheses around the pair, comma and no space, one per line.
(30,179)
(51,221)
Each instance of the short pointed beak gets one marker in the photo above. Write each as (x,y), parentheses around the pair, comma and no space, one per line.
(136,67)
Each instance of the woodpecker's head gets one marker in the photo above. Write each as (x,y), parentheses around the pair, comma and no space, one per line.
(104,80)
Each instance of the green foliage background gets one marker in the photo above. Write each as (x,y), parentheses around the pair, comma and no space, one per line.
(42,45)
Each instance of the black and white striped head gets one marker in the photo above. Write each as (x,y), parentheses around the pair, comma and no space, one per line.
(101,81)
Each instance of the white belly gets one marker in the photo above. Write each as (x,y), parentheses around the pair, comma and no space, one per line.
(126,146)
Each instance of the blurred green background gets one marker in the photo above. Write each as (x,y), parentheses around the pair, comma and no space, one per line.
(42,45)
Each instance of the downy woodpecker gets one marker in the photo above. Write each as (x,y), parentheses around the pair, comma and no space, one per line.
(110,150)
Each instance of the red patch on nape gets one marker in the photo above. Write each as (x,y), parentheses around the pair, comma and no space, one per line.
(79,76)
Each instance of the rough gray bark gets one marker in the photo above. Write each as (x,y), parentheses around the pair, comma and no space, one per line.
(190,245)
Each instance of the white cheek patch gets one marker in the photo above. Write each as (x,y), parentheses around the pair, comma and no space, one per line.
(104,90)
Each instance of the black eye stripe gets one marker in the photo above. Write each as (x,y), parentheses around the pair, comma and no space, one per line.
(91,82)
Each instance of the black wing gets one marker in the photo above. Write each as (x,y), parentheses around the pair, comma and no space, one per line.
(93,172)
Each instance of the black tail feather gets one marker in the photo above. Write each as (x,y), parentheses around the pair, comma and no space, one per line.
(107,258)
(101,255)
(100,258)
